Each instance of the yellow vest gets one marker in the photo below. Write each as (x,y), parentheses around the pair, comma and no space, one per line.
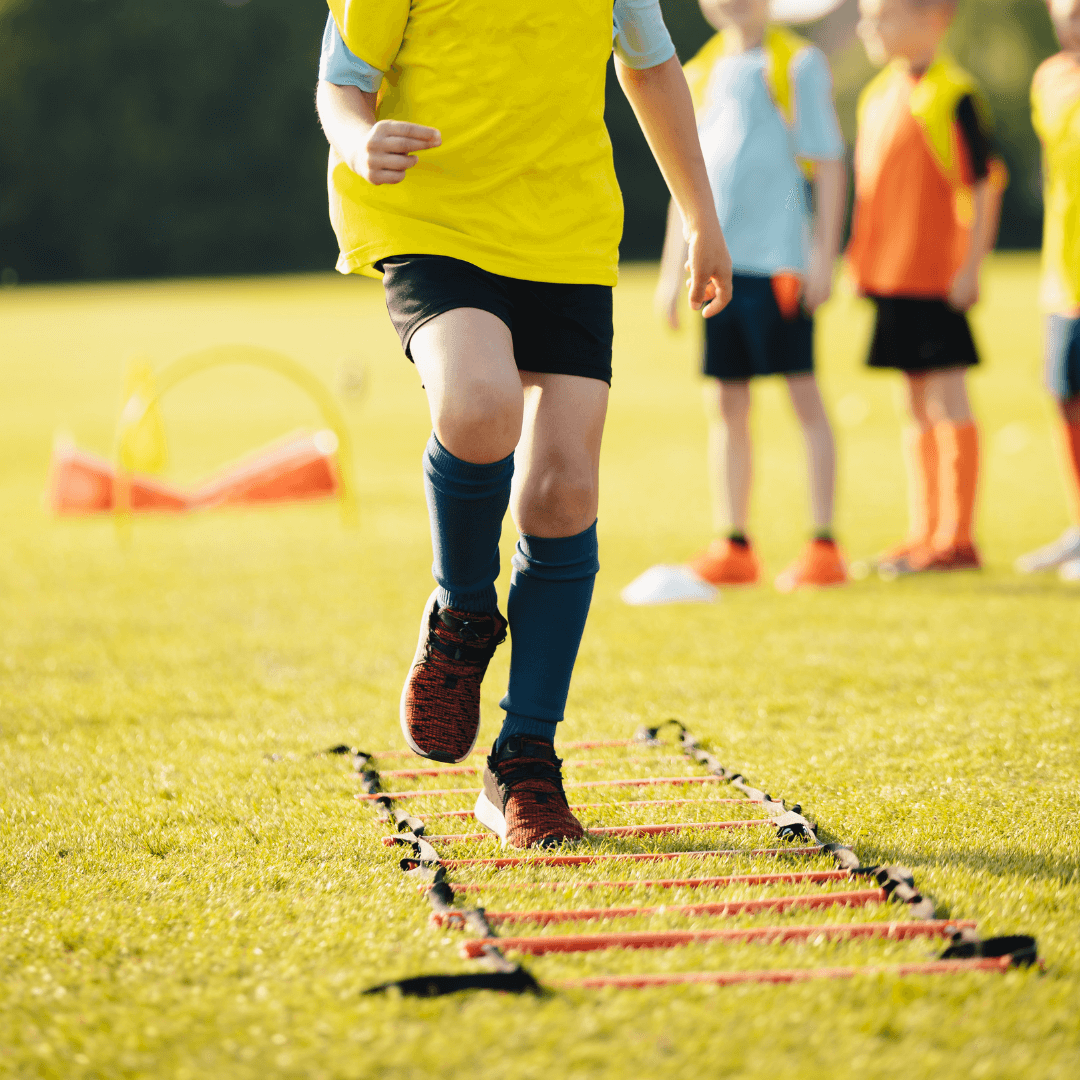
(782,47)
(1055,113)
(523,183)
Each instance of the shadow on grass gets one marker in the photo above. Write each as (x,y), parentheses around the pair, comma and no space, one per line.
(1031,865)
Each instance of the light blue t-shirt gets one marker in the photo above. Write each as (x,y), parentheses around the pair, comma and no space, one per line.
(751,155)
(640,39)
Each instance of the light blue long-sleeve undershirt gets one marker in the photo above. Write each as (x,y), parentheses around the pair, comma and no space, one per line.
(639,37)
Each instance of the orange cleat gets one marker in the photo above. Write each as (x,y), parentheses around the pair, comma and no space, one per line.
(726,562)
(819,565)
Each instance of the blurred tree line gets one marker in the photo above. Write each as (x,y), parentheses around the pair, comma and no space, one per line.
(150,137)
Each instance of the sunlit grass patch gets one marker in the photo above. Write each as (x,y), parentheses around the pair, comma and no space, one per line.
(188,889)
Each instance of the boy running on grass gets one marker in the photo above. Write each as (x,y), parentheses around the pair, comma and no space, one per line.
(927,199)
(1055,106)
(765,112)
(470,165)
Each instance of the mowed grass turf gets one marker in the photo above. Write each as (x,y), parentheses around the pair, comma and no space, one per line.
(185,891)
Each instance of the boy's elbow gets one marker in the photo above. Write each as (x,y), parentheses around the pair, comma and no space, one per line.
(644,76)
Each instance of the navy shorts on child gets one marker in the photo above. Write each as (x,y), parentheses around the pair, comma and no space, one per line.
(556,328)
(916,334)
(751,337)
(1063,356)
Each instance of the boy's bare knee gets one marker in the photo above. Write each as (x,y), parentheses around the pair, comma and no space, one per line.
(558,502)
(479,422)
(734,403)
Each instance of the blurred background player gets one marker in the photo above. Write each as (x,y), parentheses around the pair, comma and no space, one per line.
(1055,110)
(765,112)
(927,201)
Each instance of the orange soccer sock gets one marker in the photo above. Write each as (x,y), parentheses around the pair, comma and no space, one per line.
(921,462)
(1071,433)
(958,476)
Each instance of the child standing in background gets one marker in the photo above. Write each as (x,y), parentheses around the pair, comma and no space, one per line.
(927,200)
(1055,109)
(765,113)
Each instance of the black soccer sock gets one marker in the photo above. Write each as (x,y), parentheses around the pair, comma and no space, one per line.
(466,504)
(550,593)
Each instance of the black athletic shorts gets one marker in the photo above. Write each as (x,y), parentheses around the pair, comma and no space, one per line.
(556,329)
(750,337)
(914,335)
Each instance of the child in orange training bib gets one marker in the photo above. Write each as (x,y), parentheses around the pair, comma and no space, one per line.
(927,201)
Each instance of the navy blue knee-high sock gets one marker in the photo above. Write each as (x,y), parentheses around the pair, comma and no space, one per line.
(466,504)
(550,592)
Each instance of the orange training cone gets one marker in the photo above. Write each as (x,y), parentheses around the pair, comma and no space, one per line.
(300,466)
(81,483)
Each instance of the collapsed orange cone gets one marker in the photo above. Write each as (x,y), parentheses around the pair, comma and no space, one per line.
(302,466)
(81,483)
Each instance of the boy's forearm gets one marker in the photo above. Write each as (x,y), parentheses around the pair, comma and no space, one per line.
(347,115)
(830,201)
(662,104)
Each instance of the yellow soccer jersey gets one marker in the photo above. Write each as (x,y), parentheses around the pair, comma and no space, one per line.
(1055,109)
(523,183)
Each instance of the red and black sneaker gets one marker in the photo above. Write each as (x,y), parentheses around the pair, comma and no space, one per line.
(523,799)
(440,702)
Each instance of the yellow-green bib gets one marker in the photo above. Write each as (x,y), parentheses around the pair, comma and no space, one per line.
(523,183)
(781,47)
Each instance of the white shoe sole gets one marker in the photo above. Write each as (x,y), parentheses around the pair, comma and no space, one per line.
(425,623)
(490,816)
(1053,556)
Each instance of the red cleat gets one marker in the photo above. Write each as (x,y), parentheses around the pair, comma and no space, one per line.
(523,800)
(440,702)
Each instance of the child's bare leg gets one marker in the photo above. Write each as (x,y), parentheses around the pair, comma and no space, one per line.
(557,483)
(820,448)
(731,456)
(947,399)
(916,387)
(465,358)
(820,562)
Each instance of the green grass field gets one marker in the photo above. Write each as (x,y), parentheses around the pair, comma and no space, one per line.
(186,892)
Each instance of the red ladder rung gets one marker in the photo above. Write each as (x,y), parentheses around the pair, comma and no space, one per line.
(668,939)
(852,898)
(458,770)
(814,876)
(600,806)
(651,856)
(647,781)
(608,830)
(435,793)
(731,978)
(588,744)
